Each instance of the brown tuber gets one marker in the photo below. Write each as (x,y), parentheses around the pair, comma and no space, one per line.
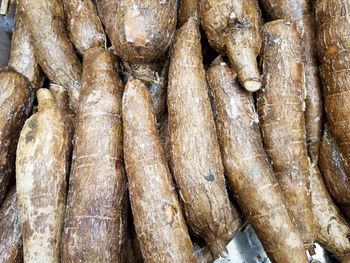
(97,187)
(194,149)
(54,51)
(248,169)
(16,99)
(158,219)
(280,108)
(233,27)
(140,30)
(41,171)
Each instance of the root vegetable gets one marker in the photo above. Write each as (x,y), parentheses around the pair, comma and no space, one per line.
(60,95)
(333,24)
(140,31)
(233,27)
(194,148)
(22,57)
(54,51)
(155,75)
(334,169)
(41,170)
(187,9)
(95,206)
(84,26)
(10,230)
(332,231)
(16,97)
(159,223)
(299,11)
(280,108)
(248,169)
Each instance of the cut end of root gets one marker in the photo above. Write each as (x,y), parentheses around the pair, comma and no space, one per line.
(252,85)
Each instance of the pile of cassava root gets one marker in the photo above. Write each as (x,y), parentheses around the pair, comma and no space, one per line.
(153,130)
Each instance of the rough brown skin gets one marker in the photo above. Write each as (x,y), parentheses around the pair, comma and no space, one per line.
(198,170)
(140,30)
(22,57)
(41,170)
(332,231)
(155,75)
(333,46)
(84,26)
(299,11)
(53,49)
(10,230)
(60,96)
(280,109)
(159,223)
(94,222)
(248,169)
(334,169)
(16,99)
(187,9)
(233,27)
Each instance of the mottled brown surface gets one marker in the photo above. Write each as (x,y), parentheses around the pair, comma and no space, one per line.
(155,76)
(140,30)
(233,27)
(53,49)
(332,17)
(334,169)
(332,231)
(60,96)
(22,53)
(194,147)
(158,219)
(248,169)
(280,107)
(10,230)
(202,253)
(299,11)
(83,24)
(94,216)
(16,97)
(187,9)
(41,171)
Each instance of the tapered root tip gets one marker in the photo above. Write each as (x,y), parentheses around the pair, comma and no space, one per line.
(252,85)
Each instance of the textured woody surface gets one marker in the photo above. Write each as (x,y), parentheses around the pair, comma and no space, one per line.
(280,108)
(299,11)
(158,219)
(248,169)
(187,9)
(333,22)
(332,230)
(194,148)
(22,57)
(10,230)
(140,30)
(41,171)
(94,216)
(52,47)
(16,97)
(233,27)
(84,26)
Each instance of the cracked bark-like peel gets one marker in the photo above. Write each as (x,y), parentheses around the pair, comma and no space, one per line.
(54,51)
(41,171)
(280,107)
(248,169)
(158,219)
(16,98)
(140,30)
(194,148)
(97,187)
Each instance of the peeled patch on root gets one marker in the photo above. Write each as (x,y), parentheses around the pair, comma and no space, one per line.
(135,31)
